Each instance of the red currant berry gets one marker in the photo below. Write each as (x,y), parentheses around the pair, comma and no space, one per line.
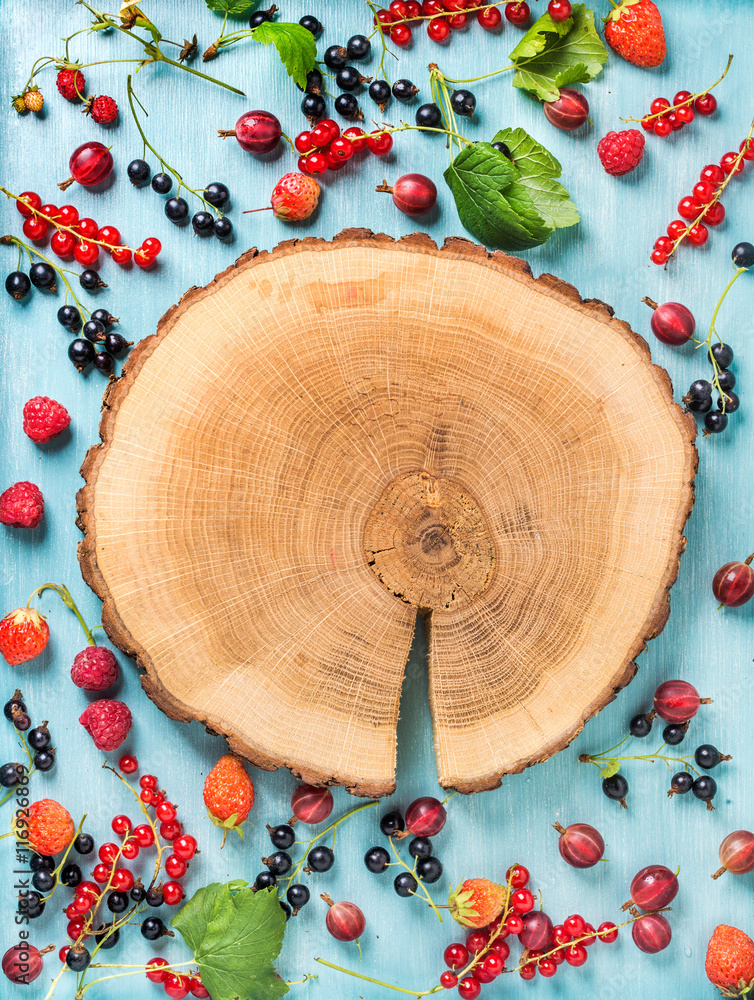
(128,763)
(88,228)
(658,105)
(664,244)
(34,228)
(438,30)
(712,173)
(148,780)
(342,149)
(456,956)
(703,191)
(86,253)
(706,104)
(152,246)
(108,853)
(146,794)
(647,123)
(88,889)
(659,257)
(121,825)
(747,147)
(675,122)
(514,924)
(682,97)
(185,846)
(332,127)
(477,941)
(71,912)
(401,34)
(607,932)
(320,135)
(490,18)
(303,166)
(651,933)
(676,701)
(316,163)
(27,201)
(458,21)
(64,950)
(123,880)
(91,164)
(662,127)
(68,215)
(82,904)
(101,873)
(165,812)
(171,830)
(469,988)
(728,163)
(574,925)
(111,236)
(379,143)
(493,965)
(358,138)
(733,585)
(527,971)
(198,989)
(176,867)
(155,973)
(448,980)
(398,8)
(144,835)
(175,986)
(559,10)
(547,968)
(501,949)
(75,927)
(684,115)
(518,12)
(431,7)
(576,955)
(689,207)
(130,850)
(481,976)
(303,142)
(591,936)
(697,235)
(517,877)
(173,893)
(414,8)
(522,901)
(383,17)
(52,211)
(676,228)
(560,935)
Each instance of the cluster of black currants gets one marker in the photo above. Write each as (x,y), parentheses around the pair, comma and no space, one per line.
(462,102)
(176,209)
(698,399)
(81,350)
(319,859)
(44,276)
(37,744)
(426,866)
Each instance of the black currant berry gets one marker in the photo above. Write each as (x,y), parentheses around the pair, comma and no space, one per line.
(223,228)
(176,209)
(154,896)
(347,106)
(379,91)
(17,285)
(39,737)
(69,316)
(701,389)
(429,869)
(681,783)
(77,958)
(162,183)
(84,843)
(282,836)
(138,894)
(420,847)
(115,343)
(726,379)
(43,275)
(699,405)
(203,223)
(90,279)
(320,859)
(311,23)
(41,862)
(216,194)
(44,760)
(106,936)
(93,330)
(708,756)
(104,362)
(335,57)
(117,902)
(405,884)
(743,255)
(404,90)
(502,147)
(314,82)
(21,720)
(313,107)
(297,896)
(391,823)
(616,788)
(265,880)
(260,16)
(349,78)
(715,422)
(151,928)
(15,704)
(640,725)
(11,775)
(705,788)
(376,859)
(44,881)
(732,402)
(463,103)
(674,733)
(286,910)
(103,316)
(71,876)
(138,171)
(428,116)
(81,353)
(279,863)
(358,47)
(723,354)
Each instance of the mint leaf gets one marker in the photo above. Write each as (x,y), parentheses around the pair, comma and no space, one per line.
(553,54)
(234,8)
(612,767)
(235,935)
(296,47)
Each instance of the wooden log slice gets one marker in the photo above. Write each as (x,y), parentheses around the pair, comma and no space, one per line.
(333,437)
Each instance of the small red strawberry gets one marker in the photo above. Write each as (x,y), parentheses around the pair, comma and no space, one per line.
(23,635)
(107,722)
(228,794)
(44,419)
(71,84)
(634,30)
(621,152)
(103,109)
(21,506)
(730,961)
(477,901)
(46,827)
(33,99)
(294,197)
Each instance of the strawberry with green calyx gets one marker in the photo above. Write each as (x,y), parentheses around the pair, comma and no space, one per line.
(634,30)
(294,198)
(730,961)
(24,633)
(46,827)
(228,795)
(477,902)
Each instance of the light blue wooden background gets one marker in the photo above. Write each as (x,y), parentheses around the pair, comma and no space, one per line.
(606,257)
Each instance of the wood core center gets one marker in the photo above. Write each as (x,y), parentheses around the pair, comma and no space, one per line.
(427,541)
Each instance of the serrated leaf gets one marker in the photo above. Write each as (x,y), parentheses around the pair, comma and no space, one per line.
(234,8)
(296,47)
(612,767)
(554,54)
(235,935)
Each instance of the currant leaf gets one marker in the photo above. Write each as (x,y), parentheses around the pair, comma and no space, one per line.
(234,8)
(296,47)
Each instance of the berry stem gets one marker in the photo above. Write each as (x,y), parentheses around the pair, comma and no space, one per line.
(65,596)
(708,342)
(445,14)
(15,241)
(379,29)
(333,826)
(225,41)
(378,982)
(683,104)
(139,971)
(606,757)
(420,884)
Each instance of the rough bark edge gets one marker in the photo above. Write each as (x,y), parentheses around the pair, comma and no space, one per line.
(457,248)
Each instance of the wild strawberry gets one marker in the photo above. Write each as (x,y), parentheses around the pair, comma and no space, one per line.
(730,961)
(21,506)
(23,635)
(634,29)
(44,419)
(228,794)
(294,197)
(46,827)
(19,104)
(103,109)
(621,152)
(107,722)
(94,669)
(71,84)
(477,902)
(33,99)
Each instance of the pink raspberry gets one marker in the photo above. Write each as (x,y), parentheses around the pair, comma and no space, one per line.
(107,722)
(44,419)
(94,669)
(621,152)
(21,506)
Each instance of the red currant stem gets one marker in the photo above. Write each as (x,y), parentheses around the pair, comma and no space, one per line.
(160,846)
(333,826)
(419,883)
(378,982)
(65,596)
(380,71)
(8,240)
(51,991)
(682,104)
(139,971)
(444,14)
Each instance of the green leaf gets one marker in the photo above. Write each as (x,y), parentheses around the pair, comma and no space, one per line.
(234,8)
(296,47)
(235,935)
(612,767)
(554,54)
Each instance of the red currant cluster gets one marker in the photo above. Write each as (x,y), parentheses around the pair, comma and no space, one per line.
(444,16)
(184,845)
(176,986)
(664,118)
(324,148)
(481,959)
(79,238)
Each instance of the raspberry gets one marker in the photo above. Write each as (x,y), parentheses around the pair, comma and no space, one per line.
(71,84)
(33,99)
(94,669)
(107,722)
(44,419)
(294,197)
(21,506)
(103,109)
(621,152)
